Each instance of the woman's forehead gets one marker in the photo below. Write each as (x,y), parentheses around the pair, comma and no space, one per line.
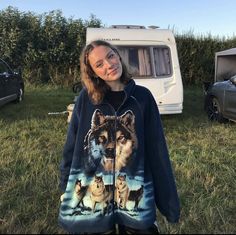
(100,49)
(99,52)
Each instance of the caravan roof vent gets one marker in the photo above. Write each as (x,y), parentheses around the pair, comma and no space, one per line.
(153,27)
(128,26)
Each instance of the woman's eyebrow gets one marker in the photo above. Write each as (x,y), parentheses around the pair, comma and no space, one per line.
(100,60)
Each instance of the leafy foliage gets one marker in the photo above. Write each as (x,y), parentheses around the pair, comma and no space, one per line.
(197,56)
(47,47)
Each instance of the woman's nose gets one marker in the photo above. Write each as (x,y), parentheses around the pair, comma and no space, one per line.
(108,63)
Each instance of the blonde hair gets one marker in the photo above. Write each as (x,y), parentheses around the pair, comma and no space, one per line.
(95,86)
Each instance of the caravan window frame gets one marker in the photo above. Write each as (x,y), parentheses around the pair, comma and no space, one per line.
(151,54)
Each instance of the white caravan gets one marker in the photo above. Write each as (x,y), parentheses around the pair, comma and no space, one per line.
(151,57)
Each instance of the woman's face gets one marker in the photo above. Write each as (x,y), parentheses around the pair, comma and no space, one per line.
(105,63)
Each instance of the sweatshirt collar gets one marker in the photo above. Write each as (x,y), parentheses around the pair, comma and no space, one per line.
(129,88)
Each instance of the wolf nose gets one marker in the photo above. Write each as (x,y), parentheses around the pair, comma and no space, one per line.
(110,152)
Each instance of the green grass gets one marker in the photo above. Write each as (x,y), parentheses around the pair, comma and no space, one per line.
(202,154)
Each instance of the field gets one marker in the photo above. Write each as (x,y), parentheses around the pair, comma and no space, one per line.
(203,156)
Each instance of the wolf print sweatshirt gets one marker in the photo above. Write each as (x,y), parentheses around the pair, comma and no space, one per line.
(116,167)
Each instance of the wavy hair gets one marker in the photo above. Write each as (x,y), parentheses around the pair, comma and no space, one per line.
(95,86)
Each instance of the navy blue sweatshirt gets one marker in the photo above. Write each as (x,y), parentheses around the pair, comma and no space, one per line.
(116,167)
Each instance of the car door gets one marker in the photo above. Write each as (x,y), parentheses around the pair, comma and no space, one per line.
(11,83)
(230,100)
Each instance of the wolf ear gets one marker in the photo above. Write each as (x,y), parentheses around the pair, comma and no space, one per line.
(121,175)
(97,119)
(128,119)
(99,178)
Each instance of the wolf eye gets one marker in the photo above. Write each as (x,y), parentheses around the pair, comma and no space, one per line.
(102,139)
(121,139)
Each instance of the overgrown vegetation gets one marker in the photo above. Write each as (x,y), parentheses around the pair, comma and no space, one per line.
(197,56)
(202,154)
(47,47)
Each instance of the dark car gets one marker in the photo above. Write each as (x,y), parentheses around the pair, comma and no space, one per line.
(11,84)
(220,100)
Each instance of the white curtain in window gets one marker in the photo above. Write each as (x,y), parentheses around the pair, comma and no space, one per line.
(162,61)
(144,62)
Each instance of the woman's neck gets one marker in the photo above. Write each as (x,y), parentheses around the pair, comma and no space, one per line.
(116,85)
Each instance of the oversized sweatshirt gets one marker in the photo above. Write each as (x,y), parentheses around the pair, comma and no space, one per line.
(116,167)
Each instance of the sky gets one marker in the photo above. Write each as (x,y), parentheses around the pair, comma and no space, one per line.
(200,17)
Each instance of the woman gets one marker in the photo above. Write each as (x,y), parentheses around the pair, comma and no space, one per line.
(115,168)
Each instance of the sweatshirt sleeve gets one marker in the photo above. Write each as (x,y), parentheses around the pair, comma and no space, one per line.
(166,196)
(69,146)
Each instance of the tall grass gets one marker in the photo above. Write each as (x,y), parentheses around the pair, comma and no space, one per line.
(202,154)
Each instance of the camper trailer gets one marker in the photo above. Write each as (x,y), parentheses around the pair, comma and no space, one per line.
(151,57)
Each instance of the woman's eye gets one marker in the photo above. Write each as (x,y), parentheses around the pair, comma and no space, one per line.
(99,65)
(111,56)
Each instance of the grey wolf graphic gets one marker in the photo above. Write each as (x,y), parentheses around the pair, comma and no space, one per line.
(110,138)
(124,194)
(80,192)
(100,193)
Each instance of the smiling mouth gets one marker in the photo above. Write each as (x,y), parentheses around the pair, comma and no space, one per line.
(114,71)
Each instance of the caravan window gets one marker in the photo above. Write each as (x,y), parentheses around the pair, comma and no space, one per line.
(137,59)
(162,61)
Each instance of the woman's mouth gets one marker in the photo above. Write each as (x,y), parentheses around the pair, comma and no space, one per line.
(113,72)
